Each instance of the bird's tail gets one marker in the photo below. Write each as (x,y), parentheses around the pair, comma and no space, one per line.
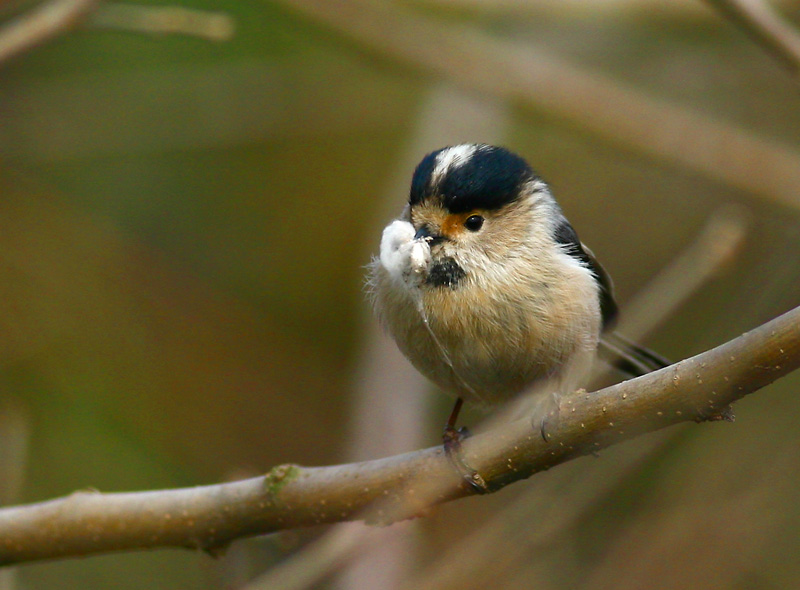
(628,357)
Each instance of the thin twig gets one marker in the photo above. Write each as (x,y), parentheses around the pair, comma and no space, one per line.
(759,20)
(210,517)
(41,25)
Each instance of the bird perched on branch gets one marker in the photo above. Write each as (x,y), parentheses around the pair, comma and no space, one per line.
(486,288)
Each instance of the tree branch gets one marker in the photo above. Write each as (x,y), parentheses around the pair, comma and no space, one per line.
(165,20)
(210,517)
(61,16)
(41,25)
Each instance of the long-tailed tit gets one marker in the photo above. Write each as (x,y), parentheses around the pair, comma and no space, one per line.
(486,288)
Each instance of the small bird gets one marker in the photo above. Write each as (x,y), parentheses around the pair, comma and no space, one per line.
(486,288)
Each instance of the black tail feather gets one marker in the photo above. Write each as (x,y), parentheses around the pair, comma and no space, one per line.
(629,357)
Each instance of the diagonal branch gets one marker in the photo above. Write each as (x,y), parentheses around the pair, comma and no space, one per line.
(210,517)
(41,25)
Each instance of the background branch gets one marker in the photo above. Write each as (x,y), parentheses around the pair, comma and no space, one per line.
(165,20)
(61,16)
(41,25)
(210,517)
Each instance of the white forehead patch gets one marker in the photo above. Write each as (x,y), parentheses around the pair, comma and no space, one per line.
(452,157)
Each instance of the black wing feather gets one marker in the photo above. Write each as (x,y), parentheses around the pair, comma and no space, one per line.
(566,235)
(620,352)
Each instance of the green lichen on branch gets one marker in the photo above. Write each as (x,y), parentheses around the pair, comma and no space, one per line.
(279,477)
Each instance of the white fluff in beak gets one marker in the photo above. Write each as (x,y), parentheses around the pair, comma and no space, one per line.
(405,259)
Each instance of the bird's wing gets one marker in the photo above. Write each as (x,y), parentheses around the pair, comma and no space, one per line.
(617,350)
(566,236)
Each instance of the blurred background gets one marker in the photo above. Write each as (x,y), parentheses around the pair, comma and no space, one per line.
(187,202)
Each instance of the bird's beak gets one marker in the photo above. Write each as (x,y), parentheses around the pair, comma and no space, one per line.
(424,233)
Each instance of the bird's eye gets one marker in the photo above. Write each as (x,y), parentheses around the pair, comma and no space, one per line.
(474,222)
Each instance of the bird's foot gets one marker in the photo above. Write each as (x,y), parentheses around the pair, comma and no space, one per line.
(547,415)
(451,439)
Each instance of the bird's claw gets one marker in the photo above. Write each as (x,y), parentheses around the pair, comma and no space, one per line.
(550,410)
(451,439)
